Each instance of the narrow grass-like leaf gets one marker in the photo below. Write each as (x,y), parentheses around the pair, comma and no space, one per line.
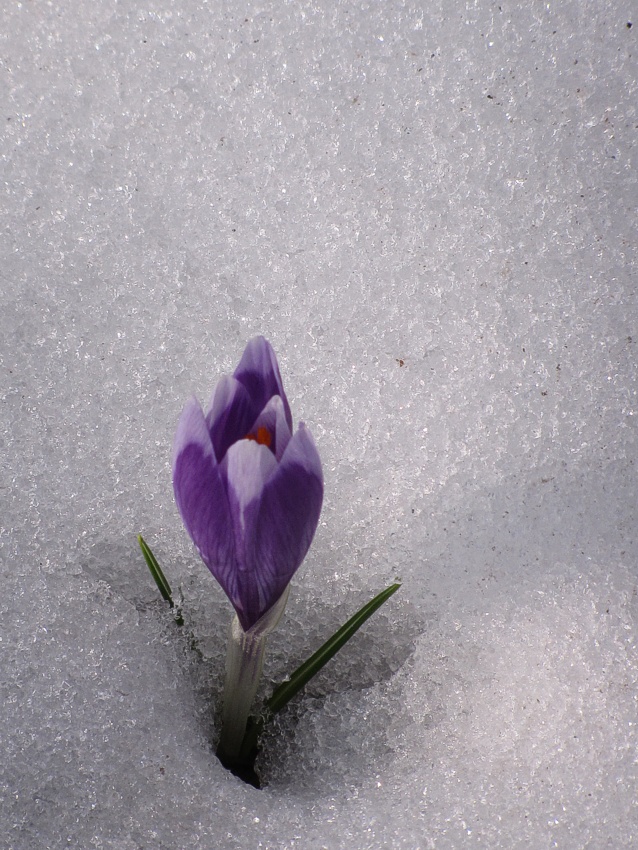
(160,579)
(284,692)
(287,690)
(156,571)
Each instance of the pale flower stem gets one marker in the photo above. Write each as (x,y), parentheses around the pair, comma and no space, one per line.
(244,663)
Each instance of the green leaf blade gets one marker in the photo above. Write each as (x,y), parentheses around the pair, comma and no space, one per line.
(156,571)
(287,690)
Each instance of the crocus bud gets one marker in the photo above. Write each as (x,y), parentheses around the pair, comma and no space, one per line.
(248,490)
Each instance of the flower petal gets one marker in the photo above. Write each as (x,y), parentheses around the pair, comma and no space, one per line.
(273,419)
(230,415)
(191,428)
(246,468)
(279,532)
(201,496)
(258,371)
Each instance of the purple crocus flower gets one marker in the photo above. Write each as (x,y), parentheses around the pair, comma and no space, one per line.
(248,489)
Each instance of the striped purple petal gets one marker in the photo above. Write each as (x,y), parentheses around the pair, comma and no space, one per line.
(231,415)
(273,419)
(200,493)
(258,371)
(280,526)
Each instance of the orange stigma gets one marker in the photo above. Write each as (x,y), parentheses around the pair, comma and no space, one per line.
(263,436)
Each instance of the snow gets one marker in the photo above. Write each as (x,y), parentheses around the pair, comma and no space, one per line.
(429,210)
